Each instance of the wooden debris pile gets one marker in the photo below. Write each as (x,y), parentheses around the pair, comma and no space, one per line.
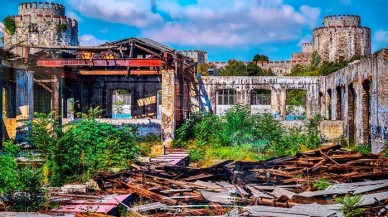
(276,187)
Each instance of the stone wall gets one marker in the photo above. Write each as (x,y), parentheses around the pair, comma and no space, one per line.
(359,97)
(39,24)
(278,86)
(341,38)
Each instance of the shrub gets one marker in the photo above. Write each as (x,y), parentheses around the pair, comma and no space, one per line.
(10,25)
(350,208)
(78,151)
(238,135)
(321,184)
(20,187)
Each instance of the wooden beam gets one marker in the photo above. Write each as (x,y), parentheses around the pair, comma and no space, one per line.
(45,87)
(147,50)
(45,80)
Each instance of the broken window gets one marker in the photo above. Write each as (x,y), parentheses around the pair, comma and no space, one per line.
(226,97)
(121,104)
(261,97)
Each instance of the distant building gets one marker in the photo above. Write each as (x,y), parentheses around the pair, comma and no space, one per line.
(196,55)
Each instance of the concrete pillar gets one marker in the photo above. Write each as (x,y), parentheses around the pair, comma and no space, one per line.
(275,100)
(24,103)
(283,104)
(168,124)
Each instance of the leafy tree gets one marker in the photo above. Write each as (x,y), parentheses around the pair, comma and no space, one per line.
(238,68)
(204,67)
(10,25)
(260,58)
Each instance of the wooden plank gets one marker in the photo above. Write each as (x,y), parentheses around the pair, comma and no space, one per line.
(258,194)
(278,192)
(139,190)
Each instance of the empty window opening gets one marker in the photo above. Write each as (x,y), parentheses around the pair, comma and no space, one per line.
(296,104)
(339,104)
(366,111)
(351,113)
(121,104)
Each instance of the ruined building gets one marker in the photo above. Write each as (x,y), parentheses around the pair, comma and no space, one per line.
(153,86)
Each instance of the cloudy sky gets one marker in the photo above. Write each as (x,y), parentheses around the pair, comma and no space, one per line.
(226,29)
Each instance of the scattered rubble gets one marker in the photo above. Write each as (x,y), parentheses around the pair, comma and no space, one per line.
(277,187)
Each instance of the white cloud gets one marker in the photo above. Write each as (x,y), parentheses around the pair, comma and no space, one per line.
(306,38)
(135,12)
(381,36)
(1,33)
(380,40)
(74,15)
(346,2)
(90,40)
(232,22)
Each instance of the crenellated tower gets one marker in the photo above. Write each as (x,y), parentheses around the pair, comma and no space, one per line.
(41,24)
(342,37)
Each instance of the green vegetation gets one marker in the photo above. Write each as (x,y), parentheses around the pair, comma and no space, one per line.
(74,152)
(238,68)
(204,67)
(20,186)
(321,184)
(63,27)
(318,68)
(80,150)
(350,206)
(10,25)
(238,135)
(259,58)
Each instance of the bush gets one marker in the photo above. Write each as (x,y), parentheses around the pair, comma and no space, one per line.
(78,151)
(238,135)
(321,184)
(350,208)
(20,187)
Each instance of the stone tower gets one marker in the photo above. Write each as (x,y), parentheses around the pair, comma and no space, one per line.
(342,37)
(41,24)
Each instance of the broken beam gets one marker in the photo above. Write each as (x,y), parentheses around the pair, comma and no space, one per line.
(100,62)
(119,72)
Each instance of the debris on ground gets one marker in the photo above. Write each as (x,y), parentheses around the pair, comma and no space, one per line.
(276,187)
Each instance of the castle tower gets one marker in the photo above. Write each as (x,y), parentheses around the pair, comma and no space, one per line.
(43,24)
(342,37)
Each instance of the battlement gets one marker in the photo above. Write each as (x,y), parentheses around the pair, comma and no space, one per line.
(39,18)
(45,8)
(307,47)
(328,29)
(342,20)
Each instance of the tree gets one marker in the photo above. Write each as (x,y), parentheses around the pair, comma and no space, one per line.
(234,68)
(260,58)
(238,68)
(204,67)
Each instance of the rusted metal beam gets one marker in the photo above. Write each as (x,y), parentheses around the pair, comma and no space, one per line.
(119,72)
(100,62)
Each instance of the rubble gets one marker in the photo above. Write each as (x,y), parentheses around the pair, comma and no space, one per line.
(276,187)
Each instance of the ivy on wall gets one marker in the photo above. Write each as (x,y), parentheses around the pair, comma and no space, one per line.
(10,25)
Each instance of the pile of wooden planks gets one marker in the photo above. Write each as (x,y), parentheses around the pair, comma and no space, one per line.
(276,187)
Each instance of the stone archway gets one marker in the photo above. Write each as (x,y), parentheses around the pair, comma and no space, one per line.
(351,113)
(366,88)
(339,103)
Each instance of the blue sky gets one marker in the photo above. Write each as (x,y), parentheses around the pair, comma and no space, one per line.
(226,29)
